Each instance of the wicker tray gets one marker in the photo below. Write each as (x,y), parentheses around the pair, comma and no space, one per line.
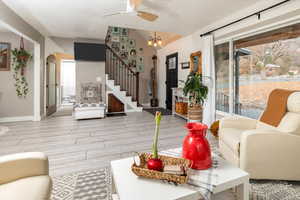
(143,171)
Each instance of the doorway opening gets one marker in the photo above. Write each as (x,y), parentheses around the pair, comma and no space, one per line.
(67,83)
(171,77)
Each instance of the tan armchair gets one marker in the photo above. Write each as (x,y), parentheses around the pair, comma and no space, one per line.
(264,151)
(25,176)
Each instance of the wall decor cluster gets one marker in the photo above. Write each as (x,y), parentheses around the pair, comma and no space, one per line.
(119,40)
(5,56)
(20,58)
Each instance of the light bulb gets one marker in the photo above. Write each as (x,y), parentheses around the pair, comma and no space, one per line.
(159,42)
(155,44)
(149,42)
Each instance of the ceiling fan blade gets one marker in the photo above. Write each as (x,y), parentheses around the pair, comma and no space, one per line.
(116,13)
(147,16)
(135,3)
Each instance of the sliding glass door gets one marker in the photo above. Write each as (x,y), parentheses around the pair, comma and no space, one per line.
(261,63)
(222,77)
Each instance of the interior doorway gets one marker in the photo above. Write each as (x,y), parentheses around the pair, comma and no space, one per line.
(51,84)
(67,82)
(171,77)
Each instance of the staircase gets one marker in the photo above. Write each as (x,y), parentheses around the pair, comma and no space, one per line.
(122,81)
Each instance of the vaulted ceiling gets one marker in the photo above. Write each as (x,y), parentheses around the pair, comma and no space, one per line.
(84,18)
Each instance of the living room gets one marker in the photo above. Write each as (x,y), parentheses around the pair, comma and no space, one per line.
(204,98)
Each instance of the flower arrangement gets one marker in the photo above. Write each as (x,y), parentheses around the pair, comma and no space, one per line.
(155,163)
(20,59)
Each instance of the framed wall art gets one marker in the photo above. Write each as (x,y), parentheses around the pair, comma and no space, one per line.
(131,43)
(196,62)
(115,46)
(5,49)
(124,32)
(115,38)
(115,31)
(185,65)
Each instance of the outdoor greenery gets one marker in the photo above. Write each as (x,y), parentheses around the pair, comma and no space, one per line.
(20,59)
(195,89)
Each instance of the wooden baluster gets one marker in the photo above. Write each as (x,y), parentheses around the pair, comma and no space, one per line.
(137,86)
(119,76)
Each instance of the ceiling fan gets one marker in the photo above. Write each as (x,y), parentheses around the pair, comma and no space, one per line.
(132,8)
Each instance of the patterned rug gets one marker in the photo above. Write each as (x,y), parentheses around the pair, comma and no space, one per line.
(97,185)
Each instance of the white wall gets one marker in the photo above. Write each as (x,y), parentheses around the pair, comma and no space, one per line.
(88,72)
(85,71)
(189,44)
(10,104)
(17,25)
(148,52)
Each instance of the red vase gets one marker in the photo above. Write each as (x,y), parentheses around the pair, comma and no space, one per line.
(196,147)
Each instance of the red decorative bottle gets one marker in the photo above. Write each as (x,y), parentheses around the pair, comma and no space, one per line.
(196,147)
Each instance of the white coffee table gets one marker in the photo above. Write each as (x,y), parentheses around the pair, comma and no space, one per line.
(128,186)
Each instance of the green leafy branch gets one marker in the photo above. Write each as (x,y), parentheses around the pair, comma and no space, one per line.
(20,58)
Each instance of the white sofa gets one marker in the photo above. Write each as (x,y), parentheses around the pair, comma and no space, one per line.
(25,176)
(89,110)
(264,151)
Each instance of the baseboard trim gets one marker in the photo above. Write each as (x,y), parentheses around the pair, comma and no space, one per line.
(16,119)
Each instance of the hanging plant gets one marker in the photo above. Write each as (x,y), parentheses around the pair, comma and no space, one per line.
(20,59)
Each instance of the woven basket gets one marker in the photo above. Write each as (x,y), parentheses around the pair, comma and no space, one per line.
(143,171)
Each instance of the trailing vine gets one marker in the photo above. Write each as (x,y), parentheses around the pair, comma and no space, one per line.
(20,58)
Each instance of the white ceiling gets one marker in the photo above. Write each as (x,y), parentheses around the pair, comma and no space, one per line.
(84,18)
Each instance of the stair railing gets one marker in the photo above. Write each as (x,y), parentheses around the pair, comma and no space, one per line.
(119,71)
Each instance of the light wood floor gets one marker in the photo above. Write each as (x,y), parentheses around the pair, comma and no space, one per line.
(90,144)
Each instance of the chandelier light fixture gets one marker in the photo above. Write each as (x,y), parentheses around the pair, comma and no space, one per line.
(155,41)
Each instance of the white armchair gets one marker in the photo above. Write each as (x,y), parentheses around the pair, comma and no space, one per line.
(25,176)
(264,151)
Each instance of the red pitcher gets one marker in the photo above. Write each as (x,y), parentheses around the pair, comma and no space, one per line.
(196,147)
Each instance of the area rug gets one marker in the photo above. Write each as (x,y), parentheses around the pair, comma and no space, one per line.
(87,185)
(162,110)
(97,185)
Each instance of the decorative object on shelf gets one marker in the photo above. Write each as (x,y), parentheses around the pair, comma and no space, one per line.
(5,49)
(197,93)
(20,60)
(185,65)
(155,163)
(196,147)
(143,171)
(196,62)
(214,128)
(154,100)
(155,41)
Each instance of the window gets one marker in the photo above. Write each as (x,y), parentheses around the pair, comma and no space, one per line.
(262,63)
(222,77)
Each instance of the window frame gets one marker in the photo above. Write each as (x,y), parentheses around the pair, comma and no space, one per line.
(231,64)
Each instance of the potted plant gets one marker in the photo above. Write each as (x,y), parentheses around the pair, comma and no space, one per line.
(155,163)
(197,93)
(20,60)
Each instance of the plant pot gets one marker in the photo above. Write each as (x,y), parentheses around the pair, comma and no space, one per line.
(196,147)
(195,113)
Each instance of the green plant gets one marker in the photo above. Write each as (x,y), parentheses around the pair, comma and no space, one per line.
(20,59)
(195,89)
